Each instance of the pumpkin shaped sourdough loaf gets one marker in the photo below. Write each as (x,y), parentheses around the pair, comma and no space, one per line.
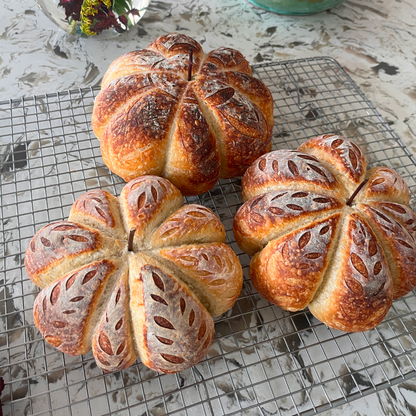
(140,275)
(328,234)
(191,118)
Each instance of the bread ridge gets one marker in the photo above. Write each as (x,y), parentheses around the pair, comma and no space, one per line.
(344,303)
(216,303)
(143,334)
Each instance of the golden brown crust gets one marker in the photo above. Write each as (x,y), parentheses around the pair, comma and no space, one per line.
(134,142)
(176,330)
(341,155)
(384,184)
(63,246)
(146,202)
(289,169)
(66,310)
(176,47)
(116,313)
(212,271)
(272,214)
(225,59)
(398,245)
(358,292)
(242,129)
(115,96)
(100,210)
(374,256)
(189,224)
(147,125)
(251,88)
(289,270)
(193,162)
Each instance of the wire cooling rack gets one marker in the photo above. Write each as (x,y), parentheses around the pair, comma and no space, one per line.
(264,361)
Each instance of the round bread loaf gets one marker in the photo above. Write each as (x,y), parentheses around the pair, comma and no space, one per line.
(328,234)
(157,114)
(140,275)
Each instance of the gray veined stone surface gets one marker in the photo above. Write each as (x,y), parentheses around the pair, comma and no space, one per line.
(374,40)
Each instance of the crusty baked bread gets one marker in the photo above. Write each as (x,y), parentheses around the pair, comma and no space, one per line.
(152,120)
(316,242)
(153,298)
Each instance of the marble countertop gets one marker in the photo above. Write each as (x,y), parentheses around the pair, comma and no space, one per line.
(374,40)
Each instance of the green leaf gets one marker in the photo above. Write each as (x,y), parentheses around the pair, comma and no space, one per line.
(122,6)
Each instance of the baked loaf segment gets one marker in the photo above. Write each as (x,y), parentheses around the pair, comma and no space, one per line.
(189,224)
(146,202)
(385,184)
(348,281)
(290,269)
(172,328)
(113,344)
(342,156)
(289,169)
(273,214)
(108,287)
(212,271)
(193,163)
(100,210)
(398,245)
(152,120)
(66,311)
(357,292)
(63,246)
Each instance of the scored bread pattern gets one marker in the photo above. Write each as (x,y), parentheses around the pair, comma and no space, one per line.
(64,310)
(90,297)
(178,329)
(190,120)
(371,258)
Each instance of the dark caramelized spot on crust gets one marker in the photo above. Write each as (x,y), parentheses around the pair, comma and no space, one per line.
(105,344)
(55,293)
(157,298)
(141,200)
(163,322)
(76,299)
(165,341)
(324,230)
(353,159)
(173,358)
(70,282)
(118,296)
(64,227)
(191,317)
(158,281)
(119,324)
(336,143)
(154,193)
(304,239)
(359,265)
(121,348)
(202,330)
(294,207)
(302,195)
(89,276)
(79,238)
(354,286)
(372,248)
(183,305)
(293,168)
(321,200)
(45,242)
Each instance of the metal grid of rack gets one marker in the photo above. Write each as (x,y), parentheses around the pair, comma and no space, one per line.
(264,361)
